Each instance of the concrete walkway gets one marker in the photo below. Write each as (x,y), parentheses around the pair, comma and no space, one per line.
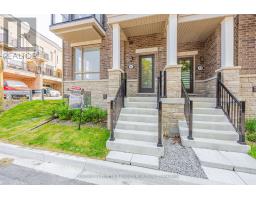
(90,170)
(228,167)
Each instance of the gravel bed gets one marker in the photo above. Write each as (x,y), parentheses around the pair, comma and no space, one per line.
(180,159)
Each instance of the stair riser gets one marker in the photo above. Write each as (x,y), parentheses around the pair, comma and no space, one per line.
(208,112)
(221,127)
(135,149)
(138,137)
(220,147)
(140,105)
(204,105)
(217,136)
(141,99)
(138,119)
(213,118)
(210,100)
(151,128)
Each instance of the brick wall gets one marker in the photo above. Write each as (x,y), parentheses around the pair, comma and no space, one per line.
(145,41)
(212,53)
(246,37)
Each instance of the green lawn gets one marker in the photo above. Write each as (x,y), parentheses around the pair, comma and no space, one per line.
(252,152)
(15,125)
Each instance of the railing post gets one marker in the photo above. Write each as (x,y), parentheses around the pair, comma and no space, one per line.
(190,128)
(160,143)
(242,123)
(165,85)
(30,95)
(158,91)
(160,85)
(112,137)
(125,84)
(218,90)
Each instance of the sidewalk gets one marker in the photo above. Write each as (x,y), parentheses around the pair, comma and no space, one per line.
(90,170)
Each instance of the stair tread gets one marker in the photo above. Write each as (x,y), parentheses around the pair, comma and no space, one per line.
(136,143)
(136,132)
(137,123)
(224,142)
(211,122)
(141,115)
(131,108)
(211,131)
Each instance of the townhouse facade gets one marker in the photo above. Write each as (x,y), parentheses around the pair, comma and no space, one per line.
(37,68)
(207,59)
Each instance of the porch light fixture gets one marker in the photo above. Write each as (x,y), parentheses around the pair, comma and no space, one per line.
(200,68)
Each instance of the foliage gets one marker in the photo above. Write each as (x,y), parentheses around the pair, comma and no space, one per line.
(252,152)
(250,125)
(251,137)
(90,114)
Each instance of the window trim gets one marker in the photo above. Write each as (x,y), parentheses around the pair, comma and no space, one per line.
(83,72)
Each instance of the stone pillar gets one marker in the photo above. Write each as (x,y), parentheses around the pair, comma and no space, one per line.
(173,81)
(231,78)
(172,112)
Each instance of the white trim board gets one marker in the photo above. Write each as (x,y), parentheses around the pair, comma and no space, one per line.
(147,50)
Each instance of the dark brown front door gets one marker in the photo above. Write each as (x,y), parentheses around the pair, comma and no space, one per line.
(187,72)
(146,73)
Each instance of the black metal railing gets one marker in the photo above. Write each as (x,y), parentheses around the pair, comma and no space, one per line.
(162,84)
(159,106)
(232,107)
(64,18)
(116,105)
(188,111)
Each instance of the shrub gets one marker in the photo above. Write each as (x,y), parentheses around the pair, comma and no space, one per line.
(62,112)
(250,125)
(251,137)
(90,114)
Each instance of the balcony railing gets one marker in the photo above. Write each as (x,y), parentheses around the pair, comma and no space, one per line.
(17,64)
(65,18)
(49,70)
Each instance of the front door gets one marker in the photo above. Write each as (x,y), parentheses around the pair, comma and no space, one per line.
(187,72)
(146,74)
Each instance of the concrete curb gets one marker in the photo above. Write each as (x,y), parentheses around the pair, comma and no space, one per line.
(98,165)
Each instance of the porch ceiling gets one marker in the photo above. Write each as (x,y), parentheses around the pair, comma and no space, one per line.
(144,26)
(197,30)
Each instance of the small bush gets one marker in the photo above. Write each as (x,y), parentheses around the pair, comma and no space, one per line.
(251,137)
(250,126)
(62,112)
(90,114)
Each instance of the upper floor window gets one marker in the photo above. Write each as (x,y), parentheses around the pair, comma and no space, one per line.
(86,63)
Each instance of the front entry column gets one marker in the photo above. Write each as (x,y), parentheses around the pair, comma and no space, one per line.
(173,105)
(114,74)
(230,73)
(172,69)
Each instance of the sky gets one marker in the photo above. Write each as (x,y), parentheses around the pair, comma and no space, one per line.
(43,23)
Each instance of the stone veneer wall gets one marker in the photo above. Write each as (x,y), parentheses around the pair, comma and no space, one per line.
(172,112)
(206,87)
(97,88)
(246,93)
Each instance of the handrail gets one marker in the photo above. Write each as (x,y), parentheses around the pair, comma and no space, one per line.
(163,85)
(159,106)
(232,107)
(188,111)
(116,105)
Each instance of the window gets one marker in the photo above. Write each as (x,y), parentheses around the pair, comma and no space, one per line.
(86,63)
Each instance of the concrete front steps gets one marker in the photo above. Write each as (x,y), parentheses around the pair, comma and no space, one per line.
(211,128)
(136,134)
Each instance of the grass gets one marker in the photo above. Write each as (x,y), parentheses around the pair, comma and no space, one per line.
(251,135)
(15,124)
